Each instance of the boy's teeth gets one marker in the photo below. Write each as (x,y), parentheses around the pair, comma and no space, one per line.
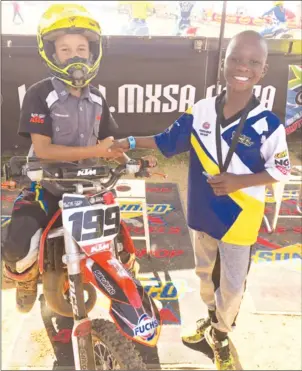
(240,78)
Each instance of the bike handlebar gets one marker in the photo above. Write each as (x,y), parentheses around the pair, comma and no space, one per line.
(81,178)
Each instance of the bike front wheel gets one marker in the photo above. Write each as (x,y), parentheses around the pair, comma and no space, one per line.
(112,350)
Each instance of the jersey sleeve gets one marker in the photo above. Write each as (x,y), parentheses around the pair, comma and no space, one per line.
(108,125)
(35,115)
(177,138)
(275,153)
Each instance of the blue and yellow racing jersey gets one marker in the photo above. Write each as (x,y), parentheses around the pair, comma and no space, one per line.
(236,217)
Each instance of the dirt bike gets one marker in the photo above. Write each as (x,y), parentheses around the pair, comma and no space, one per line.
(85,256)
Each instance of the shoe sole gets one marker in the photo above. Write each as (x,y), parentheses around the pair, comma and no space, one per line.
(192,341)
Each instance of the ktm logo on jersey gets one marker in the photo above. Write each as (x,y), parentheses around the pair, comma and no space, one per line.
(37,118)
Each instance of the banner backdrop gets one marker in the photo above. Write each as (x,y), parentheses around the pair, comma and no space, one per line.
(293,119)
(148,83)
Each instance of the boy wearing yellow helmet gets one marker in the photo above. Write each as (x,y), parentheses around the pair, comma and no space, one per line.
(67,120)
(78,63)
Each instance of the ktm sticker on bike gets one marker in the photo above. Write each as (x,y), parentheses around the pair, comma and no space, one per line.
(146,327)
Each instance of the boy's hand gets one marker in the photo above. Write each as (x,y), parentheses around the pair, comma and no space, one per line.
(104,149)
(225,183)
(122,144)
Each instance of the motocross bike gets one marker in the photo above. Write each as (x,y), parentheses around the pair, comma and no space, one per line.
(85,256)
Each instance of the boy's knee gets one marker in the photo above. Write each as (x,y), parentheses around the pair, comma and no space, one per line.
(11,252)
(203,275)
(20,255)
(17,242)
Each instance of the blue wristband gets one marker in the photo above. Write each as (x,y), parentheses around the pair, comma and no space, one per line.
(132,142)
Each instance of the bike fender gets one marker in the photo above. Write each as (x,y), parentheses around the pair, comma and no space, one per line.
(107,273)
(132,310)
(142,325)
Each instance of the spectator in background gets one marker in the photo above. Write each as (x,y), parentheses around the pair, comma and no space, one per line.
(139,12)
(279,12)
(278,21)
(17,12)
(184,19)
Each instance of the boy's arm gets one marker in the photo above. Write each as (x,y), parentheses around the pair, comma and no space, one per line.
(109,127)
(176,139)
(141,143)
(44,149)
(277,167)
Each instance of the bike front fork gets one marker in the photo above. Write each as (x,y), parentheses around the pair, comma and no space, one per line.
(82,343)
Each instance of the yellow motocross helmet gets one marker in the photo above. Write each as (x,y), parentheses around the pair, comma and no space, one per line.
(278,3)
(70,18)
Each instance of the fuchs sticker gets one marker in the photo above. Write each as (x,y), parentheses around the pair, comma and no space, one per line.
(146,327)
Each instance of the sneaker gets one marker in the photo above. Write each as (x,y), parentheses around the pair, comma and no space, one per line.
(198,335)
(26,286)
(222,354)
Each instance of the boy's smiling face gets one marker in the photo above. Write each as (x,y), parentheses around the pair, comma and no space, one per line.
(245,62)
(71,45)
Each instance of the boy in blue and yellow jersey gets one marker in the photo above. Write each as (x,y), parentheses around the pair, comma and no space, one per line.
(237,146)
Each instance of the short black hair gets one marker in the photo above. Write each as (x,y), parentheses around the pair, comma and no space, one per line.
(252,35)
